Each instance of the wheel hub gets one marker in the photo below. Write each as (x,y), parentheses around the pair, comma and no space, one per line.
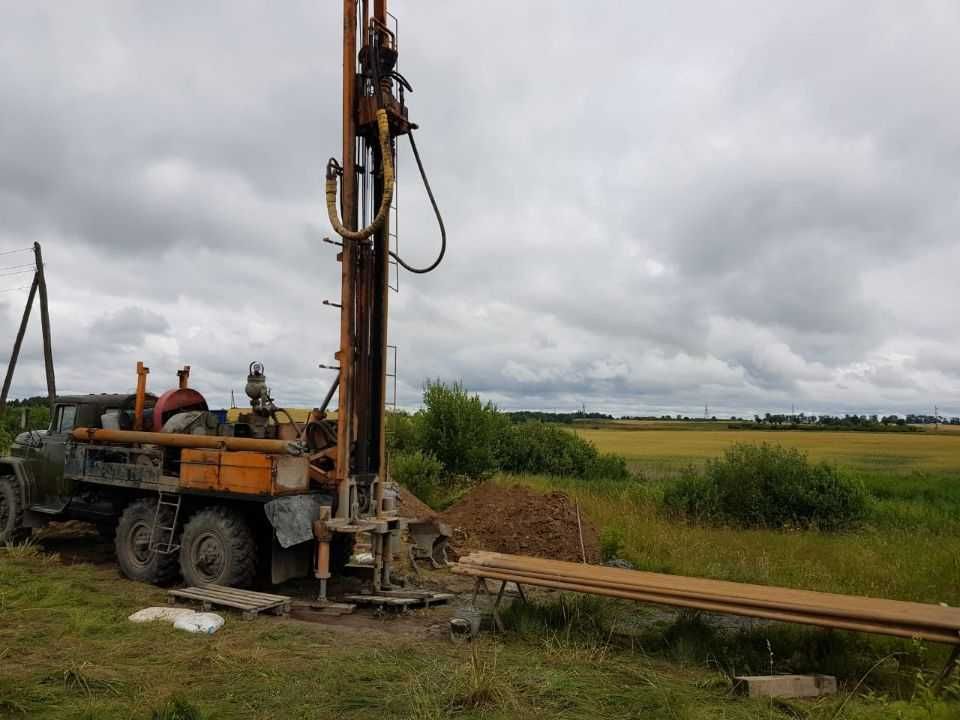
(208,556)
(139,541)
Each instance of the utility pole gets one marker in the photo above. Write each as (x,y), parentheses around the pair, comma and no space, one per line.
(39,284)
(45,328)
(16,345)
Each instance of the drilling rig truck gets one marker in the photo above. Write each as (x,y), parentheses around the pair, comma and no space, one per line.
(184,491)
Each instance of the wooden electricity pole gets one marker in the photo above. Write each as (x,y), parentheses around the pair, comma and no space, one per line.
(39,283)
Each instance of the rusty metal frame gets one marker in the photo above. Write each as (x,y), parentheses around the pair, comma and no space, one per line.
(360,463)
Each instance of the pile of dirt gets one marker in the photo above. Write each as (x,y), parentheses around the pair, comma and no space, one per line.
(520,521)
(413,507)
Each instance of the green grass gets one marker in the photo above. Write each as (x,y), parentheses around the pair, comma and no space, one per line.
(67,651)
(907,548)
(910,549)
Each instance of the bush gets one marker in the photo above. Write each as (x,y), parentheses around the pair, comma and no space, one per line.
(402,432)
(537,448)
(457,438)
(463,433)
(533,447)
(419,472)
(768,486)
(608,466)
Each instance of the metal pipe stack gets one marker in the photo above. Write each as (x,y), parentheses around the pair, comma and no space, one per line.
(934,623)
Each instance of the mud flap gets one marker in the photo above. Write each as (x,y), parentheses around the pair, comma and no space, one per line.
(287,563)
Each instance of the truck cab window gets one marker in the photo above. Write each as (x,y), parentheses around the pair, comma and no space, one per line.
(66,416)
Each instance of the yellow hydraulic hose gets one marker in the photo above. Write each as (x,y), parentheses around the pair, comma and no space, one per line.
(383,125)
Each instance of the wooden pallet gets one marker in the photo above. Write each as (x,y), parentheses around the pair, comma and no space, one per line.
(400,598)
(248,602)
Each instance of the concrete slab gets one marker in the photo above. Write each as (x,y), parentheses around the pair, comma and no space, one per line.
(786,686)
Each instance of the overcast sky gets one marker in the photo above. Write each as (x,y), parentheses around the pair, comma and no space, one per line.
(651,206)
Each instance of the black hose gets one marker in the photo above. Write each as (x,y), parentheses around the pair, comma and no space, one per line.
(290,418)
(436,211)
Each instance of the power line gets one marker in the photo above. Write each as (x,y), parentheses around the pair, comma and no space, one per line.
(14,267)
(11,252)
(22,287)
(18,272)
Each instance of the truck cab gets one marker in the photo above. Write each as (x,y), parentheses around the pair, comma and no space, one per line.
(37,456)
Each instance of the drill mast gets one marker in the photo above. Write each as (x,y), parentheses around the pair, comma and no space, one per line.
(368,88)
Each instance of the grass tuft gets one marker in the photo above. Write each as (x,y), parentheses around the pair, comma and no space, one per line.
(480,684)
(82,678)
(177,708)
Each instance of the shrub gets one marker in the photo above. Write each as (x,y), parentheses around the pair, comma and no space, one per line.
(608,466)
(402,432)
(537,448)
(419,472)
(463,433)
(459,437)
(768,486)
(534,447)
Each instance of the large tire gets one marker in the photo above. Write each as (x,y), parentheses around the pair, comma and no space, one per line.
(132,543)
(218,548)
(11,511)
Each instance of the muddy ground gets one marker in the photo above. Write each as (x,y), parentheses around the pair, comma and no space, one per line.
(78,542)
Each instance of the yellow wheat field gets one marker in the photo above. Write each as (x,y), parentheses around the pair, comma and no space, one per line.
(902,452)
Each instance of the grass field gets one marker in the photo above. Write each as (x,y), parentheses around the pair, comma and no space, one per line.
(67,651)
(908,547)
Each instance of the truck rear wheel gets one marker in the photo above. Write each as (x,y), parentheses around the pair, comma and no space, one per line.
(132,542)
(11,511)
(218,548)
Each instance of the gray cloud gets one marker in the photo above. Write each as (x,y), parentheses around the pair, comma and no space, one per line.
(653,207)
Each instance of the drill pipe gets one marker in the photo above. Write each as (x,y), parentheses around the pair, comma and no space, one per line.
(180,440)
(905,619)
(899,630)
(761,596)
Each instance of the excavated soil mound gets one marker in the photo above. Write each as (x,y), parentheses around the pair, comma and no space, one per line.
(413,507)
(520,521)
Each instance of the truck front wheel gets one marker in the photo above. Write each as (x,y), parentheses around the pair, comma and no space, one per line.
(217,548)
(11,511)
(132,542)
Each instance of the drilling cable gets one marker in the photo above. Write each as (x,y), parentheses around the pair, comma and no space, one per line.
(436,211)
